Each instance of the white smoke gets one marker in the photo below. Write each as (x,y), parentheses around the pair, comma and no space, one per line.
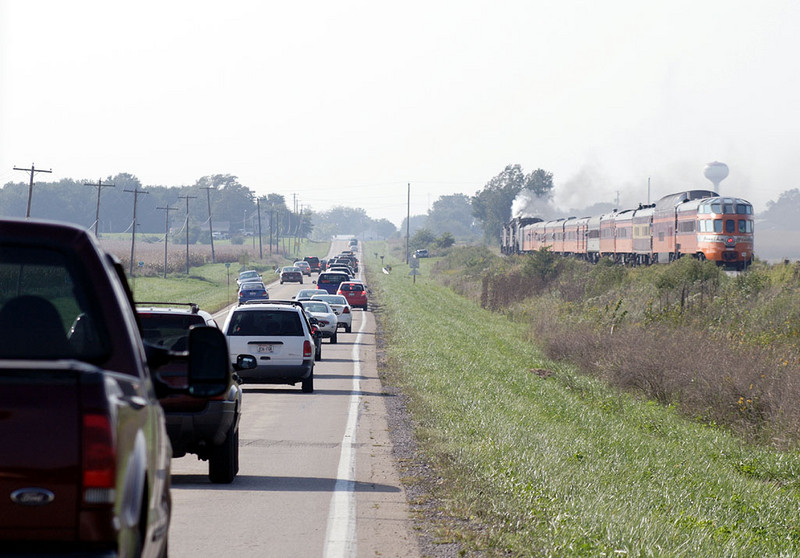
(527,204)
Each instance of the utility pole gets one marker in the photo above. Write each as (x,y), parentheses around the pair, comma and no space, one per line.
(260,248)
(408,219)
(187,197)
(99,187)
(133,226)
(33,171)
(271,218)
(166,233)
(210,227)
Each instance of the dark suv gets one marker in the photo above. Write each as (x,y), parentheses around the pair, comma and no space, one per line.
(313,263)
(205,426)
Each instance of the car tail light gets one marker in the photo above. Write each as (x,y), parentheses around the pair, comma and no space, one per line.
(308,350)
(99,460)
(346,310)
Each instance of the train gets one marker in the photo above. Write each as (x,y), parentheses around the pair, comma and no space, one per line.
(698,223)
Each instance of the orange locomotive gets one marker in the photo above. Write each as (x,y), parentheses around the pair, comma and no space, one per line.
(699,223)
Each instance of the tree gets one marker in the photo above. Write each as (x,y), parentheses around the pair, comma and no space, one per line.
(540,182)
(492,205)
(782,214)
(452,214)
(445,241)
(382,228)
(422,239)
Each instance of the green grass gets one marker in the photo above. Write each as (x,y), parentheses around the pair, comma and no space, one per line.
(537,460)
(206,286)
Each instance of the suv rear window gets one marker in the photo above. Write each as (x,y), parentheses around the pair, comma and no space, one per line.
(331,278)
(265,322)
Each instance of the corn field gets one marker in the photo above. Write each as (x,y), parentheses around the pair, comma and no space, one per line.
(149,256)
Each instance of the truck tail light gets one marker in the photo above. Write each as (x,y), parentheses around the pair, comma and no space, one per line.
(308,350)
(99,460)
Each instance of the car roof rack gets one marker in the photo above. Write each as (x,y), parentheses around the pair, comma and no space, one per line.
(192,306)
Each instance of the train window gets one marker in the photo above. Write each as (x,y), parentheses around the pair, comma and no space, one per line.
(745,226)
(730,226)
(717,225)
(729,208)
(744,209)
(716,208)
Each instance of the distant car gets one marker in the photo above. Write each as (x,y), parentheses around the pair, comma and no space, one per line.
(206,427)
(304,267)
(278,334)
(252,291)
(341,268)
(329,280)
(291,274)
(247,276)
(355,293)
(313,263)
(422,253)
(344,315)
(327,322)
(306,294)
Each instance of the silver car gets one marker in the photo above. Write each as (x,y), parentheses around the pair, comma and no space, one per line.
(341,307)
(327,322)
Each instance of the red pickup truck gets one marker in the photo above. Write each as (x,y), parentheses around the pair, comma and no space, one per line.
(84,466)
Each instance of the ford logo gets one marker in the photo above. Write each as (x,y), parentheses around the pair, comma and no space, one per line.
(32,496)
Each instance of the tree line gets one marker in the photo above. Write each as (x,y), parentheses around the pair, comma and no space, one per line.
(232,209)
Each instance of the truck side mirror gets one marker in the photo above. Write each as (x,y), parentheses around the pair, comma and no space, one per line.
(209,365)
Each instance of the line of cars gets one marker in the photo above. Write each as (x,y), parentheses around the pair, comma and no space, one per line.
(283,340)
(96,389)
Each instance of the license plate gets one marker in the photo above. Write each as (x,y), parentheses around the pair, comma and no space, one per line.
(265,348)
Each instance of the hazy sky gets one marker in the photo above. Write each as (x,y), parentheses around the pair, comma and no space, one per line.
(345,103)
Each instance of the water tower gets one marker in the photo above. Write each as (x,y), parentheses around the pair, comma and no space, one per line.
(716,172)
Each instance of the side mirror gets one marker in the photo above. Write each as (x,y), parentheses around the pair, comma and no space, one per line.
(245,362)
(313,282)
(209,368)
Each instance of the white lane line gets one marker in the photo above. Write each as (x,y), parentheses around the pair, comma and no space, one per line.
(340,538)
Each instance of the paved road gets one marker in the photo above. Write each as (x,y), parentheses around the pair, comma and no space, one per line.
(316,476)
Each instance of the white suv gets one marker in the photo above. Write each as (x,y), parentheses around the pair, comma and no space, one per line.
(277,333)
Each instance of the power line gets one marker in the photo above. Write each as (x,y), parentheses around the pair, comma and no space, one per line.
(135,193)
(99,187)
(33,171)
(166,233)
(187,198)
(210,226)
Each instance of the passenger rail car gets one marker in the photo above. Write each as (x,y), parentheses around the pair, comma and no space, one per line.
(698,223)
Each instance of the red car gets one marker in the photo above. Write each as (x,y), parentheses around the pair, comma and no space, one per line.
(355,293)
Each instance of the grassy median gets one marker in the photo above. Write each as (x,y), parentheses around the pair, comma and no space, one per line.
(538,460)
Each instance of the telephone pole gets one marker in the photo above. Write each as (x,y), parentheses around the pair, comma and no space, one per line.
(33,171)
(99,187)
(136,193)
(408,219)
(166,233)
(260,248)
(210,226)
(187,228)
